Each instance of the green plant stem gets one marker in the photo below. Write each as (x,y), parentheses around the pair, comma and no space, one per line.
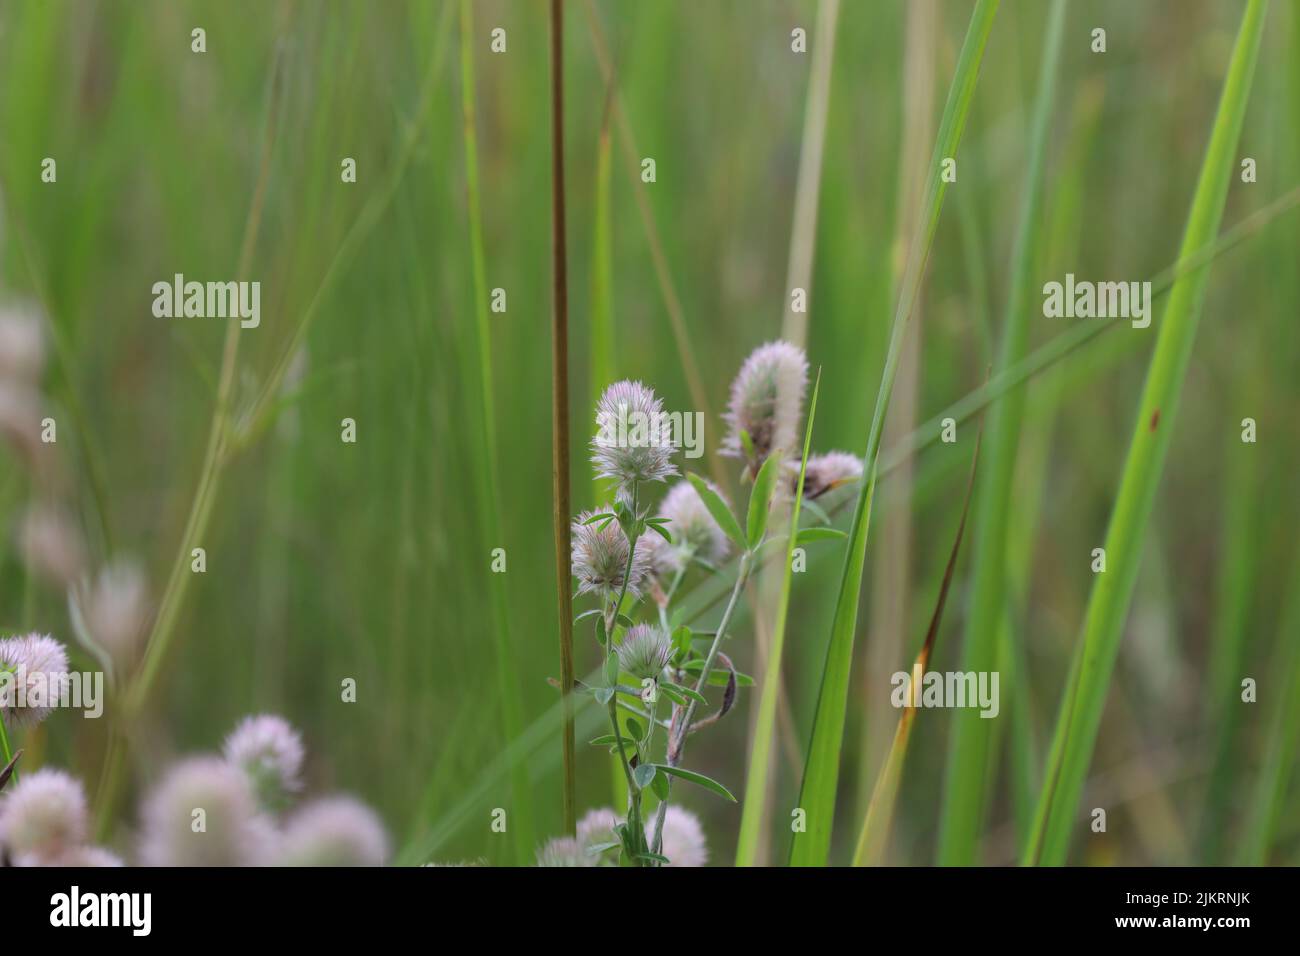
(560,417)
(677,740)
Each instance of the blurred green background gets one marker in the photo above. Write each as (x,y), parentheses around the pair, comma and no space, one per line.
(371,560)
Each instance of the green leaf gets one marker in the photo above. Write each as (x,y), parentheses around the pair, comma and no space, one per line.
(603,695)
(660,786)
(608,740)
(643,775)
(660,531)
(684,691)
(672,695)
(747,444)
(603,516)
(817,511)
(625,621)
(718,508)
(1056,818)
(760,499)
(611,669)
(586,614)
(819,534)
(634,728)
(820,783)
(698,779)
(760,767)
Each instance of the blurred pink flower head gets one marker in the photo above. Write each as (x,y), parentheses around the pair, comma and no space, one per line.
(334,831)
(203,813)
(43,817)
(270,752)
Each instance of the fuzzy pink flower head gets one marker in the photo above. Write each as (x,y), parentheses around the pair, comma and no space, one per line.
(203,813)
(334,831)
(695,533)
(43,817)
(596,827)
(767,402)
(33,678)
(645,651)
(824,473)
(22,344)
(270,752)
(683,838)
(634,440)
(600,557)
(565,851)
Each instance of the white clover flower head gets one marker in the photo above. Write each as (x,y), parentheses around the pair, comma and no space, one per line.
(633,442)
(22,344)
(694,531)
(645,651)
(43,817)
(51,545)
(203,813)
(767,402)
(600,557)
(33,678)
(683,840)
(270,752)
(116,608)
(565,851)
(596,827)
(824,473)
(334,831)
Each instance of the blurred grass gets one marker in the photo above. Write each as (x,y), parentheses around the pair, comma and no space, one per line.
(328,561)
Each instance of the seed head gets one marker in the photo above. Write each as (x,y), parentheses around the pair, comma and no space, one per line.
(767,402)
(43,817)
(334,831)
(270,753)
(33,678)
(600,557)
(203,813)
(633,442)
(116,609)
(645,651)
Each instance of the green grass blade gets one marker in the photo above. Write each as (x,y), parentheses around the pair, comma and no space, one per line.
(874,837)
(970,749)
(760,756)
(489,470)
(1108,604)
(1284,738)
(821,773)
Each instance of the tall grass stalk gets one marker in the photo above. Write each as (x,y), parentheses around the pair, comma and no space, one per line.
(560,414)
(1055,821)
(970,751)
(488,467)
(754,813)
(821,774)
(807,191)
(874,837)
